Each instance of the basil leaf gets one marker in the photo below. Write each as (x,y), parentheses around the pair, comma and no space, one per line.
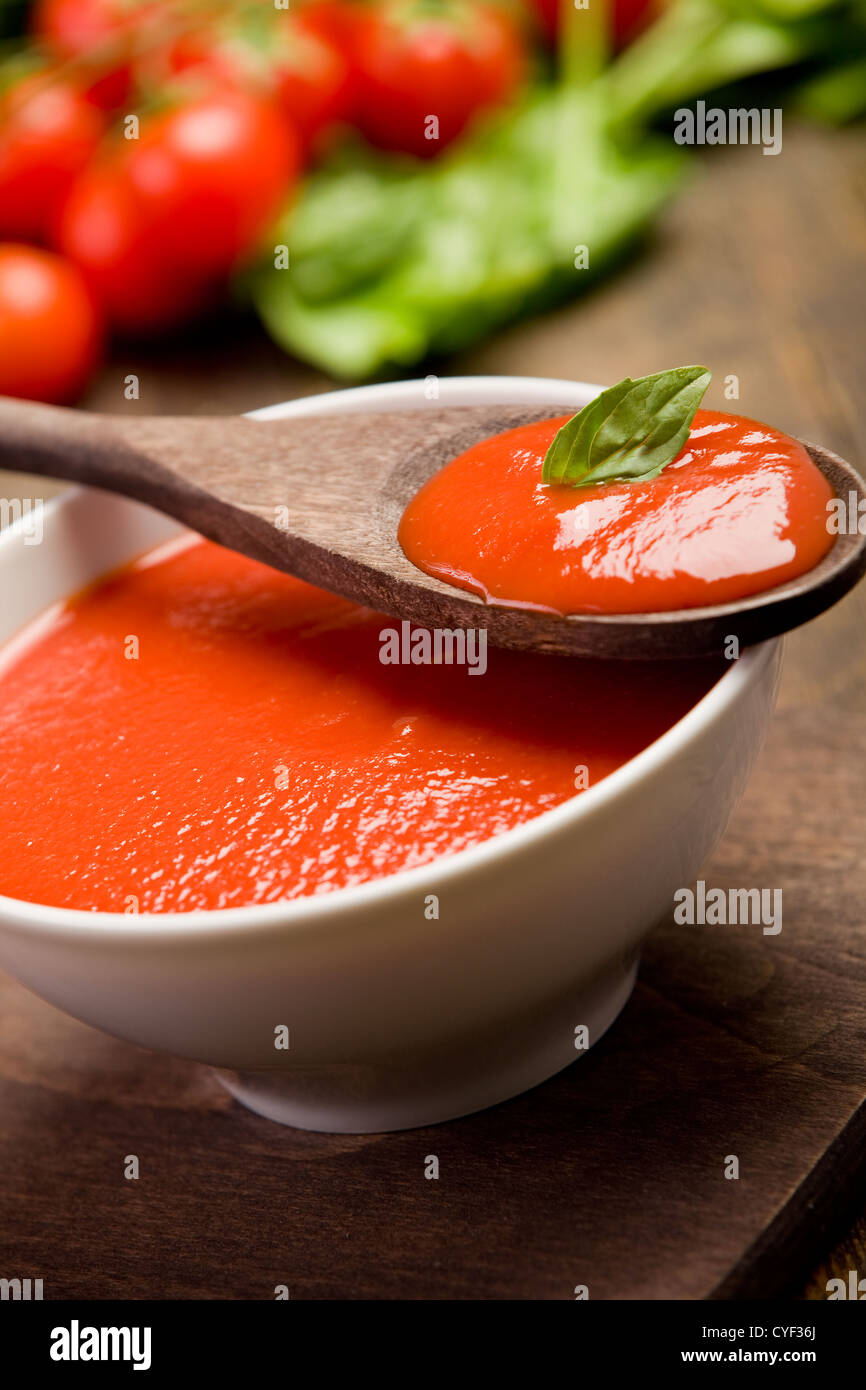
(630,432)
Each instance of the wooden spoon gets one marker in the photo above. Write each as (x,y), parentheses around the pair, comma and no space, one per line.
(322,497)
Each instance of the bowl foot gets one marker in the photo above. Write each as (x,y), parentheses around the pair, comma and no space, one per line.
(406,1092)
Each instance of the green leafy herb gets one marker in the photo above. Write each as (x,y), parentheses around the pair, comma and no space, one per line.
(394,260)
(630,432)
(835,96)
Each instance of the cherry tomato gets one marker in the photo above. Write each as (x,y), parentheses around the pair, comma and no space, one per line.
(50,328)
(101,33)
(210,175)
(105,231)
(415,63)
(48,132)
(76,27)
(313,78)
(339,24)
(302,69)
(336,20)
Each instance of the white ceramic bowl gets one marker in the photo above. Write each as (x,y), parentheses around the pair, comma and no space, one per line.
(394,1020)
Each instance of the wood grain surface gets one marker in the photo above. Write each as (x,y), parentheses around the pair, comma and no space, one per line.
(735,1043)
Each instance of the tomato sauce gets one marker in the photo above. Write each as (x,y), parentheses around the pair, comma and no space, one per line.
(200,731)
(741,509)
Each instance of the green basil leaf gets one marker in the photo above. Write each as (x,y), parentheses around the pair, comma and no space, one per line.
(630,432)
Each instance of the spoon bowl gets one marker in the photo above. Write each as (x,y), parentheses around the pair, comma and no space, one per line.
(321,497)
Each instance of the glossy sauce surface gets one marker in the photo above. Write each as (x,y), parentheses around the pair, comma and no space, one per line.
(257,749)
(741,509)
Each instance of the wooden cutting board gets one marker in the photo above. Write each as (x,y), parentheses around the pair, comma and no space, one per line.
(612,1175)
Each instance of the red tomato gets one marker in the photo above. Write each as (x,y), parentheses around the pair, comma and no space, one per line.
(313,78)
(104,230)
(48,132)
(50,328)
(336,20)
(210,175)
(302,69)
(98,32)
(415,63)
(339,23)
(76,27)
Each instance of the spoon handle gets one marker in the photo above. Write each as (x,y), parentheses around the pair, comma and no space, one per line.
(186,467)
(60,443)
(319,467)
(321,498)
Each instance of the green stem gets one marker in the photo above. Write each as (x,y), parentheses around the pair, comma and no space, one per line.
(585,40)
(655,60)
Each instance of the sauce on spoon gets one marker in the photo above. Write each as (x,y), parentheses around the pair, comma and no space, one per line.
(741,509)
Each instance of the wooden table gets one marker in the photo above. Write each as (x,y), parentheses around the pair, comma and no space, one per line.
(732,1043)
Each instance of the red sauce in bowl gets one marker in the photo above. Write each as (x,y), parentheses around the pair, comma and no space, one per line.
(200,731)
(741,509)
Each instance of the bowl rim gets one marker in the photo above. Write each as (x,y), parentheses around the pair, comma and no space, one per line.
(446,869)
